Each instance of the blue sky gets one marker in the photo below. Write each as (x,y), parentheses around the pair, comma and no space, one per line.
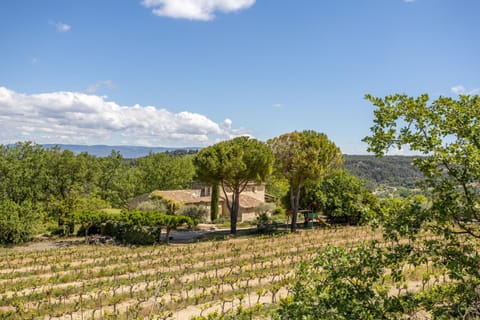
(194,72)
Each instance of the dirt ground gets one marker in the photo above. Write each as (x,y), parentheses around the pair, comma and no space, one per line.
(204,231)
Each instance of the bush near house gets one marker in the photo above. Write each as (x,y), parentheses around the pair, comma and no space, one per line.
(133,226)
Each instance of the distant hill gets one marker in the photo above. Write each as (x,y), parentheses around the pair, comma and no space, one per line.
(128,152)
(393,171)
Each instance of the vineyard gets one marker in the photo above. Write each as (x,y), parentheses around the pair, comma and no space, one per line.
(178,281)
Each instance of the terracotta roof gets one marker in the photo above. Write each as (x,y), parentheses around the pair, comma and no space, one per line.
(185,196)
(193,196)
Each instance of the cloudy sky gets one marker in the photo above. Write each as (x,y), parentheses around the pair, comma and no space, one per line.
(182,73)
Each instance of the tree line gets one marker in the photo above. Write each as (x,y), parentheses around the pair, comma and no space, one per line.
(41,186)
(47,186)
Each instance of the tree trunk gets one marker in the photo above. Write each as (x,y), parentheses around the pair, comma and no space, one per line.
(167,237)
(294,202)
(159,235)
(234,212)
(86,233)
(214,203)
(233,207)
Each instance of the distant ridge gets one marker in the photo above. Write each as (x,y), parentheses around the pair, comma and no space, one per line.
(128,152)
(394,171)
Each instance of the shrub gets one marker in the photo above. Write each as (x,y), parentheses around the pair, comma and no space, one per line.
(223,221)
(137,227)
(263,213)
(17,222)
(152,204)
(279,211)
(196,213)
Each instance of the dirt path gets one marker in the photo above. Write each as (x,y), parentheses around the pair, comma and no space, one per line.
(50,244)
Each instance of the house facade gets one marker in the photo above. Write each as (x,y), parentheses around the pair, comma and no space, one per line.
(200,195)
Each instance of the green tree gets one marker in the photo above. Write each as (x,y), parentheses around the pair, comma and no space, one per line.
(342,197)
(125,186)
(447,133)
(23,173)
(134,226)
(70,178)
(278,187)
(160,171)
(303,157)
(17,221)
(111,179)
(89,218)
(172,222)
(233,164)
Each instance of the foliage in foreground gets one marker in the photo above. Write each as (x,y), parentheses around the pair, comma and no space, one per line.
(447,132)
(345,284)
(409,273)
(441,229)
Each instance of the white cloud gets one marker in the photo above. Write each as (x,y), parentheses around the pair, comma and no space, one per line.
(227,123)
(95,87)
(73,117)
(195,9)
(60,26)
(408,1)
(459,89)
(278,105)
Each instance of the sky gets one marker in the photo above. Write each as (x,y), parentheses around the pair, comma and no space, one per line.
(190,73)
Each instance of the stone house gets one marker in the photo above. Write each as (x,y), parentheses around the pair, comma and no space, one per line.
(252,197)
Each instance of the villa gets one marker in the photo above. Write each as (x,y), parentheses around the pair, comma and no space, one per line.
(200,195)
